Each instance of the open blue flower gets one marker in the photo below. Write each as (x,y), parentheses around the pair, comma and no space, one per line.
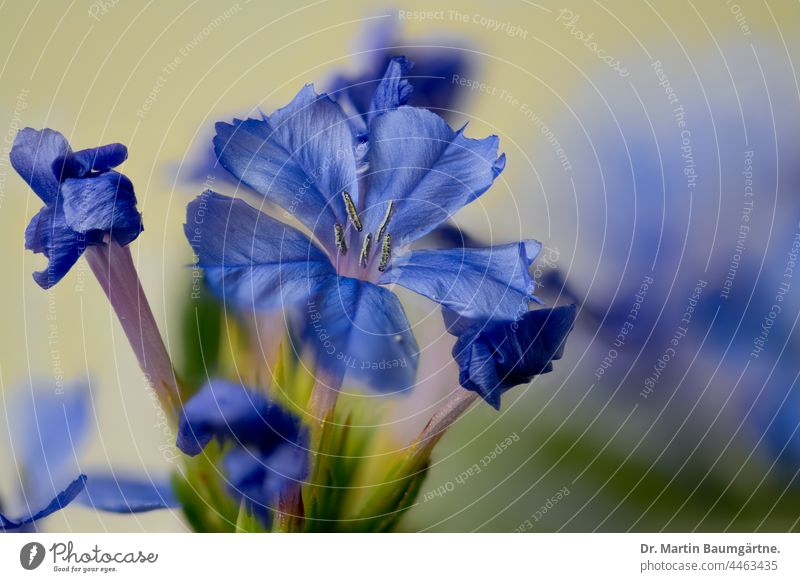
(48,427)
(269,452)
(438,61)
(494,357)
(85,201)
(364,204)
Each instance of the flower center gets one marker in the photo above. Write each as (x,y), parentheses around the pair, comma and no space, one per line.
(364,268)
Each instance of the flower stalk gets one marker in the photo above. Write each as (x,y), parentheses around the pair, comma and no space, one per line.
(112,265)
(456,405)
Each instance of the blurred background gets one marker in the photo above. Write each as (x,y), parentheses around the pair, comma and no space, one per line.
(652,147)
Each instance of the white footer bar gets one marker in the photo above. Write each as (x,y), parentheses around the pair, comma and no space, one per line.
(406,557)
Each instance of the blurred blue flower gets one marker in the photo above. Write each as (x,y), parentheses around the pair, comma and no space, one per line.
(120,492)
(364,203)
(698,190)
(436,61)
(85,200)
(44,428)
(269,445)
(495,357)
(48,427)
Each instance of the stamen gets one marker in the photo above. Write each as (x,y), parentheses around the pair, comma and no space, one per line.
(365,250)
(385,222)
(339,234)
(351,211)
(386,252)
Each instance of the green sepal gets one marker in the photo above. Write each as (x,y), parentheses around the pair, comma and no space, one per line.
(332,491)
(388,502)
(293,381)
(322,494)
(201,491)
(246,521)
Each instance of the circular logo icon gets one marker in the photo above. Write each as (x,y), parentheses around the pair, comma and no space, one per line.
(31,555)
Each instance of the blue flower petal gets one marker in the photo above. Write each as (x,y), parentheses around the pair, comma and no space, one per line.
(105,202)
(59,502)
(201,166)
(6,523)
(448,236)
(246,476)
(34,156)
(48,234)
(49,426)
(301,157)
(84,201)
(260,478)
(101,159)
(359,328)
(436,70)
(393,90)
(249,258)
(439,61)
(228,411)
(124,494)
(493,358)
(483,283)
(429,170)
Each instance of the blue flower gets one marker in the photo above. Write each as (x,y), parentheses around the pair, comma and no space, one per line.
(772,410)
(85,201)
(45,427)
(437,61)
(48,428)
(660,210)
(269,445)
(494,357)
(364,204)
